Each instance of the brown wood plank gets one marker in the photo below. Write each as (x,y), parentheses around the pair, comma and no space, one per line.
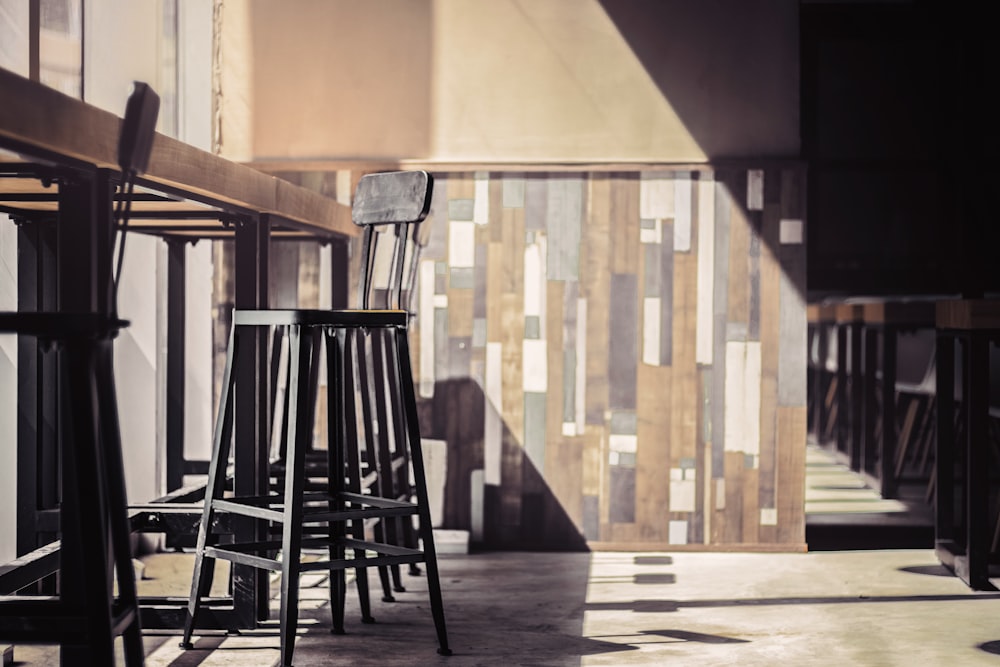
(623,533)
(706,496)
(791,474)
(511,274)
(793,193)
(770,303)
(624,216)
(733,526)
(684,396)
(751,506)
(653,459)
(460,313)
(494,286)
(567,485)
(461,185)
(718,526)
(594,440)
(596,289)
(512,458)
(495,228)
(554,366)
(739,248)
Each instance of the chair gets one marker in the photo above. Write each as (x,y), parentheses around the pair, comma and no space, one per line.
(359,504)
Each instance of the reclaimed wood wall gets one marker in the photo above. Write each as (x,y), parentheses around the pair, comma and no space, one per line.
(618,359)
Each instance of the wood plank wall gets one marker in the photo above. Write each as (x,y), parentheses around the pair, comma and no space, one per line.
(618,360)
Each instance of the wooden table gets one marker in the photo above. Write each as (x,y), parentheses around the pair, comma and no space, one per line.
(887,318)
(976,323)
(58,160)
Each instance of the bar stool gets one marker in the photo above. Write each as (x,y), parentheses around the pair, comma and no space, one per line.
(85,617)
(355,500)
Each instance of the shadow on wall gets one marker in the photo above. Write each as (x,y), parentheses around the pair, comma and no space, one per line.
(523,512)
(738,97)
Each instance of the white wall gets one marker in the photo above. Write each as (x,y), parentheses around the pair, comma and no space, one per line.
(195,128)
(14,57)
(124,43)
(121,46)
(515,80)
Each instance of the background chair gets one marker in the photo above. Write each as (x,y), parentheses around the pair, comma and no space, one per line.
(360,500)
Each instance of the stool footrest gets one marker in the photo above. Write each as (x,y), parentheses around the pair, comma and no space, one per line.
(361,507)
(247,553)
(48,619)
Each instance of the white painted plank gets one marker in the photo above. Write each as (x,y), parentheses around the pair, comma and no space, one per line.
(682,496)
(581,365)
(755,190)
(735,407)
(426,313)
(791,232)
(535,365)
(682,212)
(493,436)
(651,331)
(678,532)
(656,198)
(481,205)
(461,244)
(751,393)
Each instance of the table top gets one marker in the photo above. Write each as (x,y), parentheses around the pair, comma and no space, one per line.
(39,125)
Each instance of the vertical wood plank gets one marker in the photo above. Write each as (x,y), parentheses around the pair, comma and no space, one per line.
(770,283)
(513,409)
(653,454)
(733,525)
(596,289)
(494,289)
(720,309)
(791,474)
(751,506)
(684,395)
(554,395)
(625,223)
(739,248)
(510,274)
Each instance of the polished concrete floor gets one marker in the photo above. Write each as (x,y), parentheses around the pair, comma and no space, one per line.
(863,607)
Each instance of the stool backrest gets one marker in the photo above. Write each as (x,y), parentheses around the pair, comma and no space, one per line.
(398,199)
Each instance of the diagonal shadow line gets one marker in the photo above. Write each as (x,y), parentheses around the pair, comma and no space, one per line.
(656,606)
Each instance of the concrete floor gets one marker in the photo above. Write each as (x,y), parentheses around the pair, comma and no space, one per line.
(867,607)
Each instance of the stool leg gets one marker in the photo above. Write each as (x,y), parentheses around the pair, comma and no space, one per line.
(371,451)
(405,378)
(402,478)
(115,480)
(353,460)
(336,432)
(387,478)
(214,488)
(298,430)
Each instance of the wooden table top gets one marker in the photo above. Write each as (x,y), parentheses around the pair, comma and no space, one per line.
(40,124)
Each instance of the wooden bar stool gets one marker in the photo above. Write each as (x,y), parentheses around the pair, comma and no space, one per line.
(85,617)
(359,470)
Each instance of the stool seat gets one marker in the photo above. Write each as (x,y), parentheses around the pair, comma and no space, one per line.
(61,326)
(315,317)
